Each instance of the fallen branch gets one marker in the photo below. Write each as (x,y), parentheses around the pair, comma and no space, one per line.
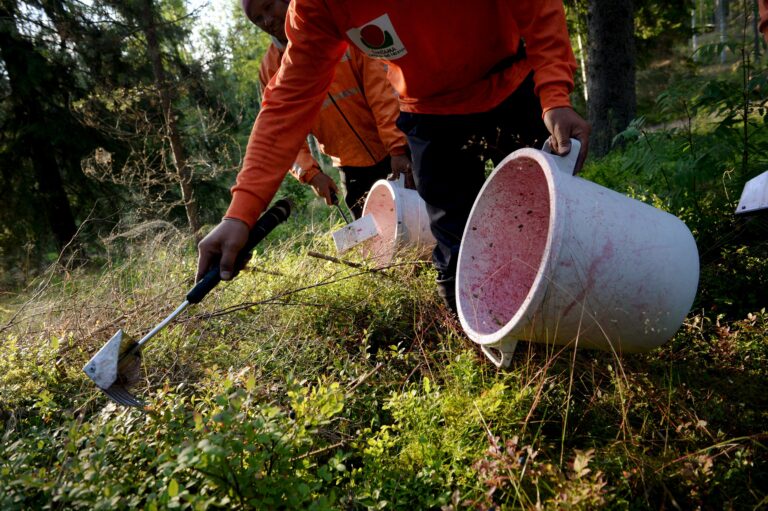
(332,259)
(364,377)
(319,451)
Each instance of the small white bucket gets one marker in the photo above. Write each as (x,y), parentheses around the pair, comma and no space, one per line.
(401,219)
(552,258)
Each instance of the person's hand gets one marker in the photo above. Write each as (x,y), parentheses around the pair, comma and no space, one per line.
(401,164)
(564,124)
(222,245)
(324,187)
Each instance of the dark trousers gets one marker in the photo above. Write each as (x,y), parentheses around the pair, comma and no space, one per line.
(359,180)
(449,154)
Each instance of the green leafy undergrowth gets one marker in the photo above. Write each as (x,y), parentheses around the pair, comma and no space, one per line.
(223,448)
(306,383)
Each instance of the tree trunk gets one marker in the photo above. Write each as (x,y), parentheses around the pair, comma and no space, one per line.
(53,197)
(611,71)
(755,28)
(582,63)
(720,17)
(183,173)
(694,36)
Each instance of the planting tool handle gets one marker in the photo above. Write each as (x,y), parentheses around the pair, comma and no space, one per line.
(264,225)
(567,163)
(335,201)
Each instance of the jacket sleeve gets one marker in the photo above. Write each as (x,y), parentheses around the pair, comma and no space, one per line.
(290,107)
(305,167)
(548,48)
(270,63)
(763,4)
(382,100)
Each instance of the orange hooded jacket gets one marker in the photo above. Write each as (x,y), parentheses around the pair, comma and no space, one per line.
(763,4)
(444,57)
(356,125)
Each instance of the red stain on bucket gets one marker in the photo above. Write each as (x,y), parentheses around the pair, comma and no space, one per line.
(595,267)
(503,245)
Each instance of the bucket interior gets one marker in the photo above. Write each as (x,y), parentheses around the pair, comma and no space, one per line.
(504,245)
(381,205)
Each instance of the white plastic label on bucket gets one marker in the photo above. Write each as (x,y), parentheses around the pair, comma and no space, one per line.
(351,235)
(549,257)
(401,219)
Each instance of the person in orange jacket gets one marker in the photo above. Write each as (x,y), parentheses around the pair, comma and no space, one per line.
(469,90)
(763,4)
(356,126)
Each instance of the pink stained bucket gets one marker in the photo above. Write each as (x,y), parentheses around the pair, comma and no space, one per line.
(550,257)
(402,221)
(504,250)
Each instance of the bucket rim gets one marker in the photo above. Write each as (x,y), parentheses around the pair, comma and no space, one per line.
(539,286)
(394,192)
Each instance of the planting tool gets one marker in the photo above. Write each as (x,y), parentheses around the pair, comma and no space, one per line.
(335,200)
(116,366)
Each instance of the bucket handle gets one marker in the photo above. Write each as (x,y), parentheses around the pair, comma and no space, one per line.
(399,182)
(567,163)
(505,350)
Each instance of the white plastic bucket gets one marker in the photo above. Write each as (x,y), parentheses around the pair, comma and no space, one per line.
(402,221)
(552,258)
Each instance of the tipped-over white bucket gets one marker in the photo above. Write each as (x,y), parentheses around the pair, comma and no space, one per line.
(552,258)
(402,221)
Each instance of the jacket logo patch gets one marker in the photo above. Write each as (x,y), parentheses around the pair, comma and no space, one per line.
(378,39)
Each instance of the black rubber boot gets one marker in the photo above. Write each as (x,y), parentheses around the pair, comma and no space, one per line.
(446,289)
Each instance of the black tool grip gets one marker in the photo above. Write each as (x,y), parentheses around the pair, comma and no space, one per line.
(264,225)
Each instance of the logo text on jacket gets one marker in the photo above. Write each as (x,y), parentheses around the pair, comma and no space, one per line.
(378,39)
